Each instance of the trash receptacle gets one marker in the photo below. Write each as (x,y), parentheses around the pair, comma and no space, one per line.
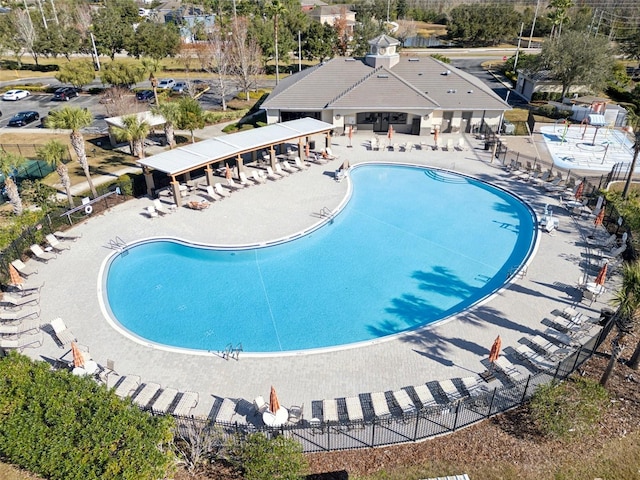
(605,315)
(312,144)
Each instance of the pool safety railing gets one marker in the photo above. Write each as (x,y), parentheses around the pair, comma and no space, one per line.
(117,244)
(232,352)
(326,213)
(517,271)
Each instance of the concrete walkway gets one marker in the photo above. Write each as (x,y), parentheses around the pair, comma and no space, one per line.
(450,349)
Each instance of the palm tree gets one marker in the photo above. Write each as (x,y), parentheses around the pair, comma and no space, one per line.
(275,9)
(54,152)
(134,131)
(627,317)
(74,119)
(170,111)
(633,126)
(9,162)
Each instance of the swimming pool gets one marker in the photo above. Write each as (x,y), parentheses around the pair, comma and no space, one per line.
(411,246)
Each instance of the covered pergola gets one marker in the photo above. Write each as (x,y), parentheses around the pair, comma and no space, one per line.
(207,153)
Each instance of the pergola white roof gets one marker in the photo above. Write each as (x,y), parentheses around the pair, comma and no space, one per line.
(196,155)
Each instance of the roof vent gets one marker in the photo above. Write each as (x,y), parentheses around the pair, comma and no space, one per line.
(419,74)
(470,91)
(414,59)
(349,59)
(383,76)
(448,72)
(451,90)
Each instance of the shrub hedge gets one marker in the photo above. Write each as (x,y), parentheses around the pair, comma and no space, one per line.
(66,427)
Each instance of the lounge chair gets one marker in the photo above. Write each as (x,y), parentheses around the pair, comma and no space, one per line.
(260,404)
(159,206)
(245,181)
(354,409)
(187,402)
(295,413)
(63,335)
(20,328)
(474,385)
(211,194)
(424,396)
(24,270)
(316,159)
(14,300)
(151,211)
(509,369)
(21,343)
(16,315)
(146,394)
(560,337)
(66,236)
(125,385)
(226,411)
(330,411)
(450,390)
(404,401)
(41,254)
(548,348)
(280,171)
(380,405)
(259,179)
(299,164)
(56,244)
(271,175)
(450,145)
(614,253)
(220,191)
(232,185)
(164,400)
(285,166)
(537,360)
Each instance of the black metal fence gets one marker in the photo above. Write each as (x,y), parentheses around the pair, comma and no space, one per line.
(400,428)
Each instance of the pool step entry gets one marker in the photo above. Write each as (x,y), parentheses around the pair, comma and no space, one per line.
(232,352)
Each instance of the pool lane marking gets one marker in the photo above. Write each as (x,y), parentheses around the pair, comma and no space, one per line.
(266,296)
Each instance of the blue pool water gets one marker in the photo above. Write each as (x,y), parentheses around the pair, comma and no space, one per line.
(412,246)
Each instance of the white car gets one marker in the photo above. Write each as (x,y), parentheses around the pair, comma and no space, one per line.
(14,95)
(166,83)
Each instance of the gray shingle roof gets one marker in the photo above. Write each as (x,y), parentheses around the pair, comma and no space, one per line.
(411,83)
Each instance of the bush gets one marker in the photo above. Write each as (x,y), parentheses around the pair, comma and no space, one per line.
(66,427)
(262,458)
(568,409)
(126,185)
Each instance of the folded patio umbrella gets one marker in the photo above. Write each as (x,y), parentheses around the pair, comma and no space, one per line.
(14,277)
(274,404)
(495,349)
(602,274)
(78,359)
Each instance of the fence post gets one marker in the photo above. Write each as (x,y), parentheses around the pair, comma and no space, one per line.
(455,419)
(576,360)
(555,374)
(415,430)
(373,433)
(493,396)
(526,387)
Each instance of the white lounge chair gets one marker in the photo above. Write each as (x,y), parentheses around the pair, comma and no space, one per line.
(20,328)
(380,405)
(41,254)
(232,185)
(450,390)
(259,179)
(14,300)
(614,253)
(159,206)
(56,244)
(226,411)
(63,335)
(509,369)
(260,404)
(474,385)
(67,236)
(15,315)
(220,191)
(245,181)
(151,211)
(22,342)
(299,164)
(425,396)
(164,400)
(280,171)
(548,348)
(286,166)
(146,394)
(538,360)
(354,408)
(126,385)
(187,402)
(211,194)
(271,175)
(404,401)
(330,411)
(24,270)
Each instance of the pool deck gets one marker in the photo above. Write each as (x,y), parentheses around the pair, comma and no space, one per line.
(450,349)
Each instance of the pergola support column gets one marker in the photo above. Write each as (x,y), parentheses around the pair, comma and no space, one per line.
(208,172)
(300,147)
(175,185)
(272,157)
(148,178)
(240,165)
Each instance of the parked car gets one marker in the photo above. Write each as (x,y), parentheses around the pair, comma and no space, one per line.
(21,119)
(179,87)
(65,93)
(15,95)
(166,83)
(145,96)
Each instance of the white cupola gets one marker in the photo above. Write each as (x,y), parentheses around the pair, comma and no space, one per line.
(382,52)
